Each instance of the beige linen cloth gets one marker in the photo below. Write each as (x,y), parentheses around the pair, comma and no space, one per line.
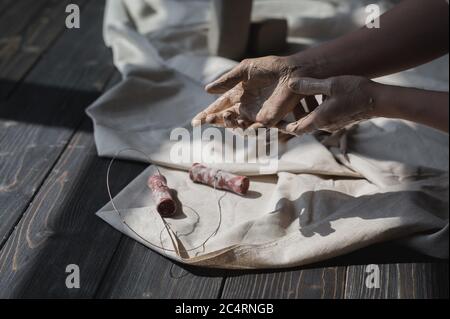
(379,180)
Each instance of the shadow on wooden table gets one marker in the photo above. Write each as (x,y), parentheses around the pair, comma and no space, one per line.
(385,253)
(42,105)
(60,228)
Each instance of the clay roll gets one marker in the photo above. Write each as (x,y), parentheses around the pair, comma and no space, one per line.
(165,204)
(219,179)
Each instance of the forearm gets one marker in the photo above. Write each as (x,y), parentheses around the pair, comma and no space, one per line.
(412,33)
(422,106)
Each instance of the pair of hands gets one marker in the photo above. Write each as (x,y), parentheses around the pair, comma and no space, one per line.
(261,92)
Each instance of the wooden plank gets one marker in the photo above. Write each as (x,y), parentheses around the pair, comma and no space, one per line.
(28,29)
(39,119)
(399,280)
(4,5)
(17,15)
(14,20)
(324,283)
(138,272)
(60,228)
(100,241)
(35,268)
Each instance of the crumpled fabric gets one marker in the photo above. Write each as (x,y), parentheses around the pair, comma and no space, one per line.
(379,180)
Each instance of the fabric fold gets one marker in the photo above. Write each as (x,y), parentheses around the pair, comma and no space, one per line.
(379,180)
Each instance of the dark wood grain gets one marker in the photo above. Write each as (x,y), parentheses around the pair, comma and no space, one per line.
(86,240)
(27,29)
(138,272)
(315,283)
(60,227)
(37,122)
(15,16)
(4,5)
(52,182)
(407,280)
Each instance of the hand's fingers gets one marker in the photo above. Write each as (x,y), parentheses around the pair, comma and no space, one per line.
(222,103)
(253,128)
(226,118)
(256,126)
(280,103)
(243,123)
(311,122)
(199,119)
(230,118)
(282,126)
(305,106)
(310,86)
(228,80)
(302,126)
(215,119)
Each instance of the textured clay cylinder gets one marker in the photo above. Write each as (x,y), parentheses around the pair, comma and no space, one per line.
(219,179)
(165,204)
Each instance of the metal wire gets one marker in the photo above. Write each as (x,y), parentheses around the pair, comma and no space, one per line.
(166,224)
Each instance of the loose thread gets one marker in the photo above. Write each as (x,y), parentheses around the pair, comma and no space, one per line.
(166,224)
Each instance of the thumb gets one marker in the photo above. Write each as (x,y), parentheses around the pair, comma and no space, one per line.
(310,86)
(306,124)
(228,80)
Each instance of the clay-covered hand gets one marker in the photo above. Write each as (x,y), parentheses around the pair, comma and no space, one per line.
(255,94)
(347,100)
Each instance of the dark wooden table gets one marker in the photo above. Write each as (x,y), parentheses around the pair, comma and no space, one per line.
(52,182)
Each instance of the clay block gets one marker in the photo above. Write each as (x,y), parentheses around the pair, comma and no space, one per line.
(229,28)
(267,36)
